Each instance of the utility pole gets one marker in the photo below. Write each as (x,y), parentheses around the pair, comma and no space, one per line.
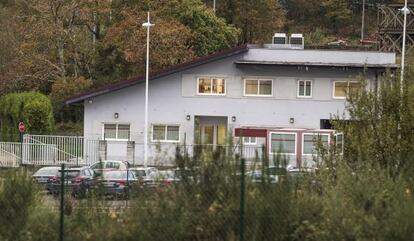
(214,6)
(363,20)
(147,25)
(405,11)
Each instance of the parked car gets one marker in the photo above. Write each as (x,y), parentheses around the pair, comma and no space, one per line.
(149,176)
(271,174)
(78,181)
(44,175)
(117,184)
(109,165)
(169,177)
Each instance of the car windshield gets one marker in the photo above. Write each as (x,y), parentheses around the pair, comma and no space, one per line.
(140,173)
(46,171)
(116,175)
(70,173)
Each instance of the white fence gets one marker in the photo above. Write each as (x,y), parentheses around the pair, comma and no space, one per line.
(76,150)
(10,154)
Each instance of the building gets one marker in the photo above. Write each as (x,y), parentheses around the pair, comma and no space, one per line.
(278,95)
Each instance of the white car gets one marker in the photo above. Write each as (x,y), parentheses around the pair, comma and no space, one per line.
(149,175)
(109,165)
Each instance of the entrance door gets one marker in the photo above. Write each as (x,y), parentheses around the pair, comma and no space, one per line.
(213,134)
(210,130)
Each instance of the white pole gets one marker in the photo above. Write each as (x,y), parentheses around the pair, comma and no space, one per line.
(363,20)
(214,6)
(405,12)
(147,25)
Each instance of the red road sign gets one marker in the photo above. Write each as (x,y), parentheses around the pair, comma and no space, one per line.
(22,126)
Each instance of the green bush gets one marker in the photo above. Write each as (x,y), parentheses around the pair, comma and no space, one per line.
(33,108)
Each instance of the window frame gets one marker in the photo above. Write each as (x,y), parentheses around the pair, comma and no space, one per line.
(311,89)
(342,144)
(347,87)
(258,87)
(116,131)
(283,133)
(165,132)
(249,143)
(313,133)
(211,78)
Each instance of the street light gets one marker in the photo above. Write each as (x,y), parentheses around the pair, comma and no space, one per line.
(405,11)
(147,25)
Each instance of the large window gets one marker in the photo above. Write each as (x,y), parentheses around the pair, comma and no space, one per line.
(342,88)
(305,88)
(258,87)
(283,143)
(115,131)
(166,133)
(310,142)
(211,86)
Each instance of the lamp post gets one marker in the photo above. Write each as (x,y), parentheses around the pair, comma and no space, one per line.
(363,21)
(405,11)
(214,6)
(146,25)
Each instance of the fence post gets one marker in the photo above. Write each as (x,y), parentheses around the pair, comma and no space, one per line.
(62,201)
(242,201)
(21,148)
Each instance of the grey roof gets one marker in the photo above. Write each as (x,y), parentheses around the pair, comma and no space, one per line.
(351,65)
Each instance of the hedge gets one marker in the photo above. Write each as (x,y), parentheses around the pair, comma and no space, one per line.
(34,109)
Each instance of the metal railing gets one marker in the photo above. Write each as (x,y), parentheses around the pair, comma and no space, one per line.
(10,154)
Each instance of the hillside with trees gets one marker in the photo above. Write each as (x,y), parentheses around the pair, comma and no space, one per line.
(63,47)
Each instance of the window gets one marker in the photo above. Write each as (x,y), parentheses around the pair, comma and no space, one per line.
(258,87)
(211,86)
(342,88)
(166,133)
(339,143)
(310,142)
(116,132)
(249,140)
(283,143)
(305,88)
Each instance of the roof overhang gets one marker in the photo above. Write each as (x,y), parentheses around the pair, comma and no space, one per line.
(156,75)
(311,64)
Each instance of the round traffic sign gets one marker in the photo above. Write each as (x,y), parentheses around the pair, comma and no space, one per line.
(22,126)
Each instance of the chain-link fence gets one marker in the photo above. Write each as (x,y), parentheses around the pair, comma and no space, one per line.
(215,195)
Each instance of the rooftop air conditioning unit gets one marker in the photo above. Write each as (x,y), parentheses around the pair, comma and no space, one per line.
(279,39)
(296,41)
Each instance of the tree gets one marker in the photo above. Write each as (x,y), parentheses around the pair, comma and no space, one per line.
(337,14)
(258,20)
(32,108)
(381,124)
(63,89)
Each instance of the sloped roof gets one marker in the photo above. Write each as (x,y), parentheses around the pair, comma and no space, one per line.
(157,74)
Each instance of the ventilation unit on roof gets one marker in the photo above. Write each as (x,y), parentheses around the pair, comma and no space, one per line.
(279,39)
(296,41)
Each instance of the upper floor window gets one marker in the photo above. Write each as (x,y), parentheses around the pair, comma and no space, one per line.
(305,88)
(211,86)
(258,87)
(115,131)
(165,133)
(342,88)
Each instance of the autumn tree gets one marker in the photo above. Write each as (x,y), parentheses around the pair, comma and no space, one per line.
(258,20)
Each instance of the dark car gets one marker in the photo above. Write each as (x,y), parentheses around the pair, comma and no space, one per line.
(44,175)
(78,181)
(117,184)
